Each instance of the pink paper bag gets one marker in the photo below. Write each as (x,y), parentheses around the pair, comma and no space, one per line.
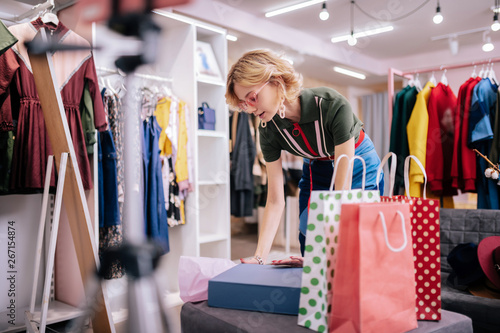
(194,273)
(374,277)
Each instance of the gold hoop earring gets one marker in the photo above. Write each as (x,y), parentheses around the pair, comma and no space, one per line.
(263,124)
(282,110)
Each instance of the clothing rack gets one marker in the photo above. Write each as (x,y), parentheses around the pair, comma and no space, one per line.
(31,12)
(409,75)
(73,194)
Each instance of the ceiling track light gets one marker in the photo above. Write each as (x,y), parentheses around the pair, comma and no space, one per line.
(324,15)
(488,45)
(496,25)
(453,44)
(438,17)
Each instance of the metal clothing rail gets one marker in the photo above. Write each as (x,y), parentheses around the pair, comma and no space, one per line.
(110,71)
(153,77)
(409,75)
(448,67)
(143,76)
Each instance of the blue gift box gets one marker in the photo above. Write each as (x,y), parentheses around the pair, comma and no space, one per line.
(263,288)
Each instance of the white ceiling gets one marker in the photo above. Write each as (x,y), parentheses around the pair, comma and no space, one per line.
(408,46)
(306,39)
(410,35)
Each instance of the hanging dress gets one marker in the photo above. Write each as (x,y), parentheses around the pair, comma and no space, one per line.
(24,114)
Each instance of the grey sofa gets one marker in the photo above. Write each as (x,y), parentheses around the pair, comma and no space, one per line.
(464,226)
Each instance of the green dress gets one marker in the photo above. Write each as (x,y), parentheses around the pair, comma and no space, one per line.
(6,137)
(6,38)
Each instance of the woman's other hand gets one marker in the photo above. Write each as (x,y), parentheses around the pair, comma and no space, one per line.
(293,261)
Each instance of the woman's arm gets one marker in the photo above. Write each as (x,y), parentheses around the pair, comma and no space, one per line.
(346,148)
(272,212)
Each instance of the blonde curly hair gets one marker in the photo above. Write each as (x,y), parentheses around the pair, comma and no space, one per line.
(259,66)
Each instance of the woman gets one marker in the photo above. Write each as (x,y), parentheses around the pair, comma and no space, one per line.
(316,124)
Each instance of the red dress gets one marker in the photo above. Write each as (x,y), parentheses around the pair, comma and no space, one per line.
(72,69)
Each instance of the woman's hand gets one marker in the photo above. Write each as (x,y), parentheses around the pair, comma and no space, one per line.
(294,261)
(251,261)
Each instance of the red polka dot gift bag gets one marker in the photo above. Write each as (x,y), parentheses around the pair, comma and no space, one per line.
(424,215)
(320,253)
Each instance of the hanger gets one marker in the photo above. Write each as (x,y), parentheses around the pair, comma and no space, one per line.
(48,16)
(166,90)
(481,72)
(122,88)
(474,74)
(418,85)
(411,82)
(100,80)
(492,76)
(444,79)
(107,83)
(433,79)
(149,100)
(487,71)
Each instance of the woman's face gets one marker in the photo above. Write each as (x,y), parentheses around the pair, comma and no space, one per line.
(262,100)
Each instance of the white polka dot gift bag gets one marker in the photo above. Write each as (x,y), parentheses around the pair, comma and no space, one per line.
(320,249)
(424,214)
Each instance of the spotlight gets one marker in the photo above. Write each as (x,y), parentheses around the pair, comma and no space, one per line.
(496,25)
(453,43)
(352,40)
(488,45)
(324,15)
(438,18)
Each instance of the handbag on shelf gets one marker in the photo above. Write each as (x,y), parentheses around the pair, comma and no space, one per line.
(206,117)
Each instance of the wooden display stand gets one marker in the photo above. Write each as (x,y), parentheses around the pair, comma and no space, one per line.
(72,194)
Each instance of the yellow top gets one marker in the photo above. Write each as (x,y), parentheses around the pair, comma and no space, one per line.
(417,139)
(162,114)
(181,162)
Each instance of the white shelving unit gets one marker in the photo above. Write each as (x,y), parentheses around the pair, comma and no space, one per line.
(207,229)
(213,156)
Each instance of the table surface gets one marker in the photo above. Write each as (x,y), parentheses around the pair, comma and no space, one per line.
(199,317)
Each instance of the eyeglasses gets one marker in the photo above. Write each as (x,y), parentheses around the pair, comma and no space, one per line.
(251,99)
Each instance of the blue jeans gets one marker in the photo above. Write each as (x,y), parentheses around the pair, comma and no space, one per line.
(322,173)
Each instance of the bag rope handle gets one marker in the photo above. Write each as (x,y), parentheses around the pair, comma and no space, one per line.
(351,165)
(392,172)
(335,165)
(386,237)
(407,175)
